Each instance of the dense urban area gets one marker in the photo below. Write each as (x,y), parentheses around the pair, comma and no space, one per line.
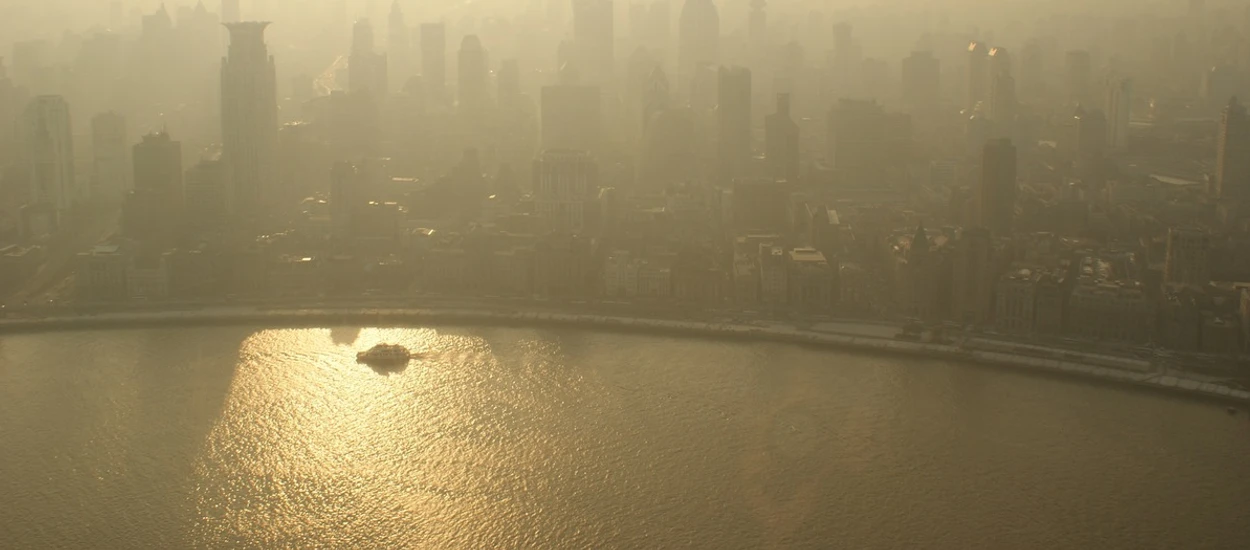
(1080,178)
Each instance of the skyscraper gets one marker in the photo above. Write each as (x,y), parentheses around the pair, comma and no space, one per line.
(110,161)
(978,74)
(698,35)
(49,148)
(249,117)
(781,137)
(921,74)
(1077,70)
(733,114)
(564,180)
(434,61)
(366,69)
(158,165)
(1002,107)
(1119,106)
(997,205)
(1091,145)
(1232,156)
(473,91)
(593,35)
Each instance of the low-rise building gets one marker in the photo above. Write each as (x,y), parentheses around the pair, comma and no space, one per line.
(1114,310)
(1015,300)
(101,273)
(810,281)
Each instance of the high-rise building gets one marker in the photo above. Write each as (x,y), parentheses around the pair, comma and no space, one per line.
(1002,107)
(564,181)
(473,90)
(867,145)
(49,147)
(733,114)
(1091,145)
(158,166)
(110,161)
(1077,69)
(698,35)
(1119,106)
(434,61)
(921,79)
(345,199)
(781,137)
(1232,156)
(978,74)
(1188,257)
(152,211)
(366,68)
(249,117)
(594,37)
(572,116)
(997,204)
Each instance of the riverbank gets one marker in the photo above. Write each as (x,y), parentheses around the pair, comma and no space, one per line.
(1137,376)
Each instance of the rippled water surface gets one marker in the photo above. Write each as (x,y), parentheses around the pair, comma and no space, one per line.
(511,438)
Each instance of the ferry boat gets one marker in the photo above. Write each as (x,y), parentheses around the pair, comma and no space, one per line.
(385,355)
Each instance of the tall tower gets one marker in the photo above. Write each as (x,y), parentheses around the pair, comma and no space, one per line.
(781,142)
(593,35)
(158,166)
(473,92)
(434,61)
(998,187)
(1119,106)
(110,162)
(366,69)
(698,35)
(249,118)
(49,147)
(978,74)
(733,113)
(1002,92)
(1232,156)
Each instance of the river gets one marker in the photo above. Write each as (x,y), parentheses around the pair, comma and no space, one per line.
(512,438)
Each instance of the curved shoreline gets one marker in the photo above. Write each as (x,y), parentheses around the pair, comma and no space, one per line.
(407,316)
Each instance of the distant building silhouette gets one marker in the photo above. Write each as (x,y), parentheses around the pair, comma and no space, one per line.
(997,204)
(398,45)
(49,150)
(1118,107)
(249,117)
(473,90)
(1232,157)
(734,122)
(781,136)
(367,70)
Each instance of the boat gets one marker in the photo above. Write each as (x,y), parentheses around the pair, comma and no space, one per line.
(385,355)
